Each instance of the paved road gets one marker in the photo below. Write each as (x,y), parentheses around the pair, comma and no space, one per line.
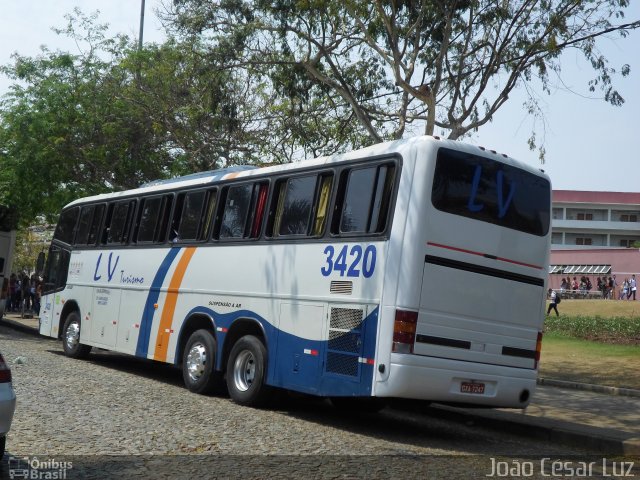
(114,404)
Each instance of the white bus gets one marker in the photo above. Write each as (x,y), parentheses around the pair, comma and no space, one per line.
(414,269)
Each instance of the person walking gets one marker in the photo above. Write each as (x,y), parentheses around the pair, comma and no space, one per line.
(632,287)
(555,299)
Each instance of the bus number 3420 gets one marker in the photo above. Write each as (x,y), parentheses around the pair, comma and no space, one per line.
(350,261)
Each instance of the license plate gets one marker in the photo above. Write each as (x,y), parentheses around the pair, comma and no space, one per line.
(469,387)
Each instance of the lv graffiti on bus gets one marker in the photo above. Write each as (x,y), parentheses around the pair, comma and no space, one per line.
(111,267)
(503,204)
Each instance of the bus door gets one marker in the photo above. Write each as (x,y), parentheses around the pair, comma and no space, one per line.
(55,280)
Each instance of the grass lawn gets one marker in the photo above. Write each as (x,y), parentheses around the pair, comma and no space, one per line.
(603,308)
(615,363)
(571,359)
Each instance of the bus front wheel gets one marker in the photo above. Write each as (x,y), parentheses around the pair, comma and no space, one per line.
(71,338)
(198,363)
(246,373)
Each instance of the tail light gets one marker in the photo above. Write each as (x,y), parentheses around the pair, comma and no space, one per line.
(538,349)
(404,331)
(5,373)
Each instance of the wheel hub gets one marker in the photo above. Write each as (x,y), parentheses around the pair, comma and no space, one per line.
(196,361)
(244,370)
(72,335)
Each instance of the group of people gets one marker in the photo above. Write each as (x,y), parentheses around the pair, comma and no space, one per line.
(608,286)
(584,286)
(24,291)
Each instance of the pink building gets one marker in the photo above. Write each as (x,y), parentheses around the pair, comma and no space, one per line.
(592,235)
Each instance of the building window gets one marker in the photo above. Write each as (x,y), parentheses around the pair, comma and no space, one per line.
(584,216)
(628,218)
(583,241)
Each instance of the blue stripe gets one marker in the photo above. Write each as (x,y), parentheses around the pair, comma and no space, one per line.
(289,367)
(142,347)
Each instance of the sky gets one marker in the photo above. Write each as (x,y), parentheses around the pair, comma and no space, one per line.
(590,145)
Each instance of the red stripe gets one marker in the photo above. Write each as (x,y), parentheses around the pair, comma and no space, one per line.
(471,252)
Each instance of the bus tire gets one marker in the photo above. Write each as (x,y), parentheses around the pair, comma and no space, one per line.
(198,364)
(71,338)
(358,404)
(247,372)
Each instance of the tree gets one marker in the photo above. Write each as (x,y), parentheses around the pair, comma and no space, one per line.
(66,132)
(398,65)
(112,117)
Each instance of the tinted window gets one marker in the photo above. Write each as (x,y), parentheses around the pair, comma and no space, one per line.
(294,209)
(191,215)
(119,224)
(235,211)
(96,223)
(66,225)
(367,197)
(149,219)
(490,191)
(84,224)
(209,215)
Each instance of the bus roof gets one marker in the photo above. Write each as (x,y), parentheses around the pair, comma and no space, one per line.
(240,171)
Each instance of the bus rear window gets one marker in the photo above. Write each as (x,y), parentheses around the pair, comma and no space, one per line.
(486,190)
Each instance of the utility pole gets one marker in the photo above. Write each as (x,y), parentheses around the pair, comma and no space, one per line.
(141,24)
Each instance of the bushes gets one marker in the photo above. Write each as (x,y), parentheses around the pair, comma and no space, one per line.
(622,330)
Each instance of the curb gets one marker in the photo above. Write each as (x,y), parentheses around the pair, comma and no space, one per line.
(627,392)
(19,326)
(601,440)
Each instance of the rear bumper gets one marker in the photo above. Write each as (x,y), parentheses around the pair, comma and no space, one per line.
(7,407)
(439,380)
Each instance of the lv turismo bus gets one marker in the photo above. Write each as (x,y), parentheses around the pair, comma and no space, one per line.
(413,269)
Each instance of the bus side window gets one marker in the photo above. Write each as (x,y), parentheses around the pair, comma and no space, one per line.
(363,200)
(322,205)
(67,225)
(260,193)
(84,224)
(149,217)
(160,234)
(121,219)
(300,206)
(192,215)
(209,215)
(236,209)
(294,206)
(96,223)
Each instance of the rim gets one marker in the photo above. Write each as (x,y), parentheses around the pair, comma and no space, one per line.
(196,361)
(72,335)
(244,370)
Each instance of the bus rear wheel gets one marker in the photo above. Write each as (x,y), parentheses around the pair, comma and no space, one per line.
(247,372)
(198,364)
(71,338)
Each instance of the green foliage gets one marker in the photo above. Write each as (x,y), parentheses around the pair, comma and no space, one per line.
(595,327)
(392,67)
(113,117)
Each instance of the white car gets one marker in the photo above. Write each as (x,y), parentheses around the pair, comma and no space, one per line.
(7,403)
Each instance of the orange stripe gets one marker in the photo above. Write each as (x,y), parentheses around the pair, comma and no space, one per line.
(229,176)
(162,339)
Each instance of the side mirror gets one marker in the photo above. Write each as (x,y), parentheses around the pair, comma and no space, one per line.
(40,264)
